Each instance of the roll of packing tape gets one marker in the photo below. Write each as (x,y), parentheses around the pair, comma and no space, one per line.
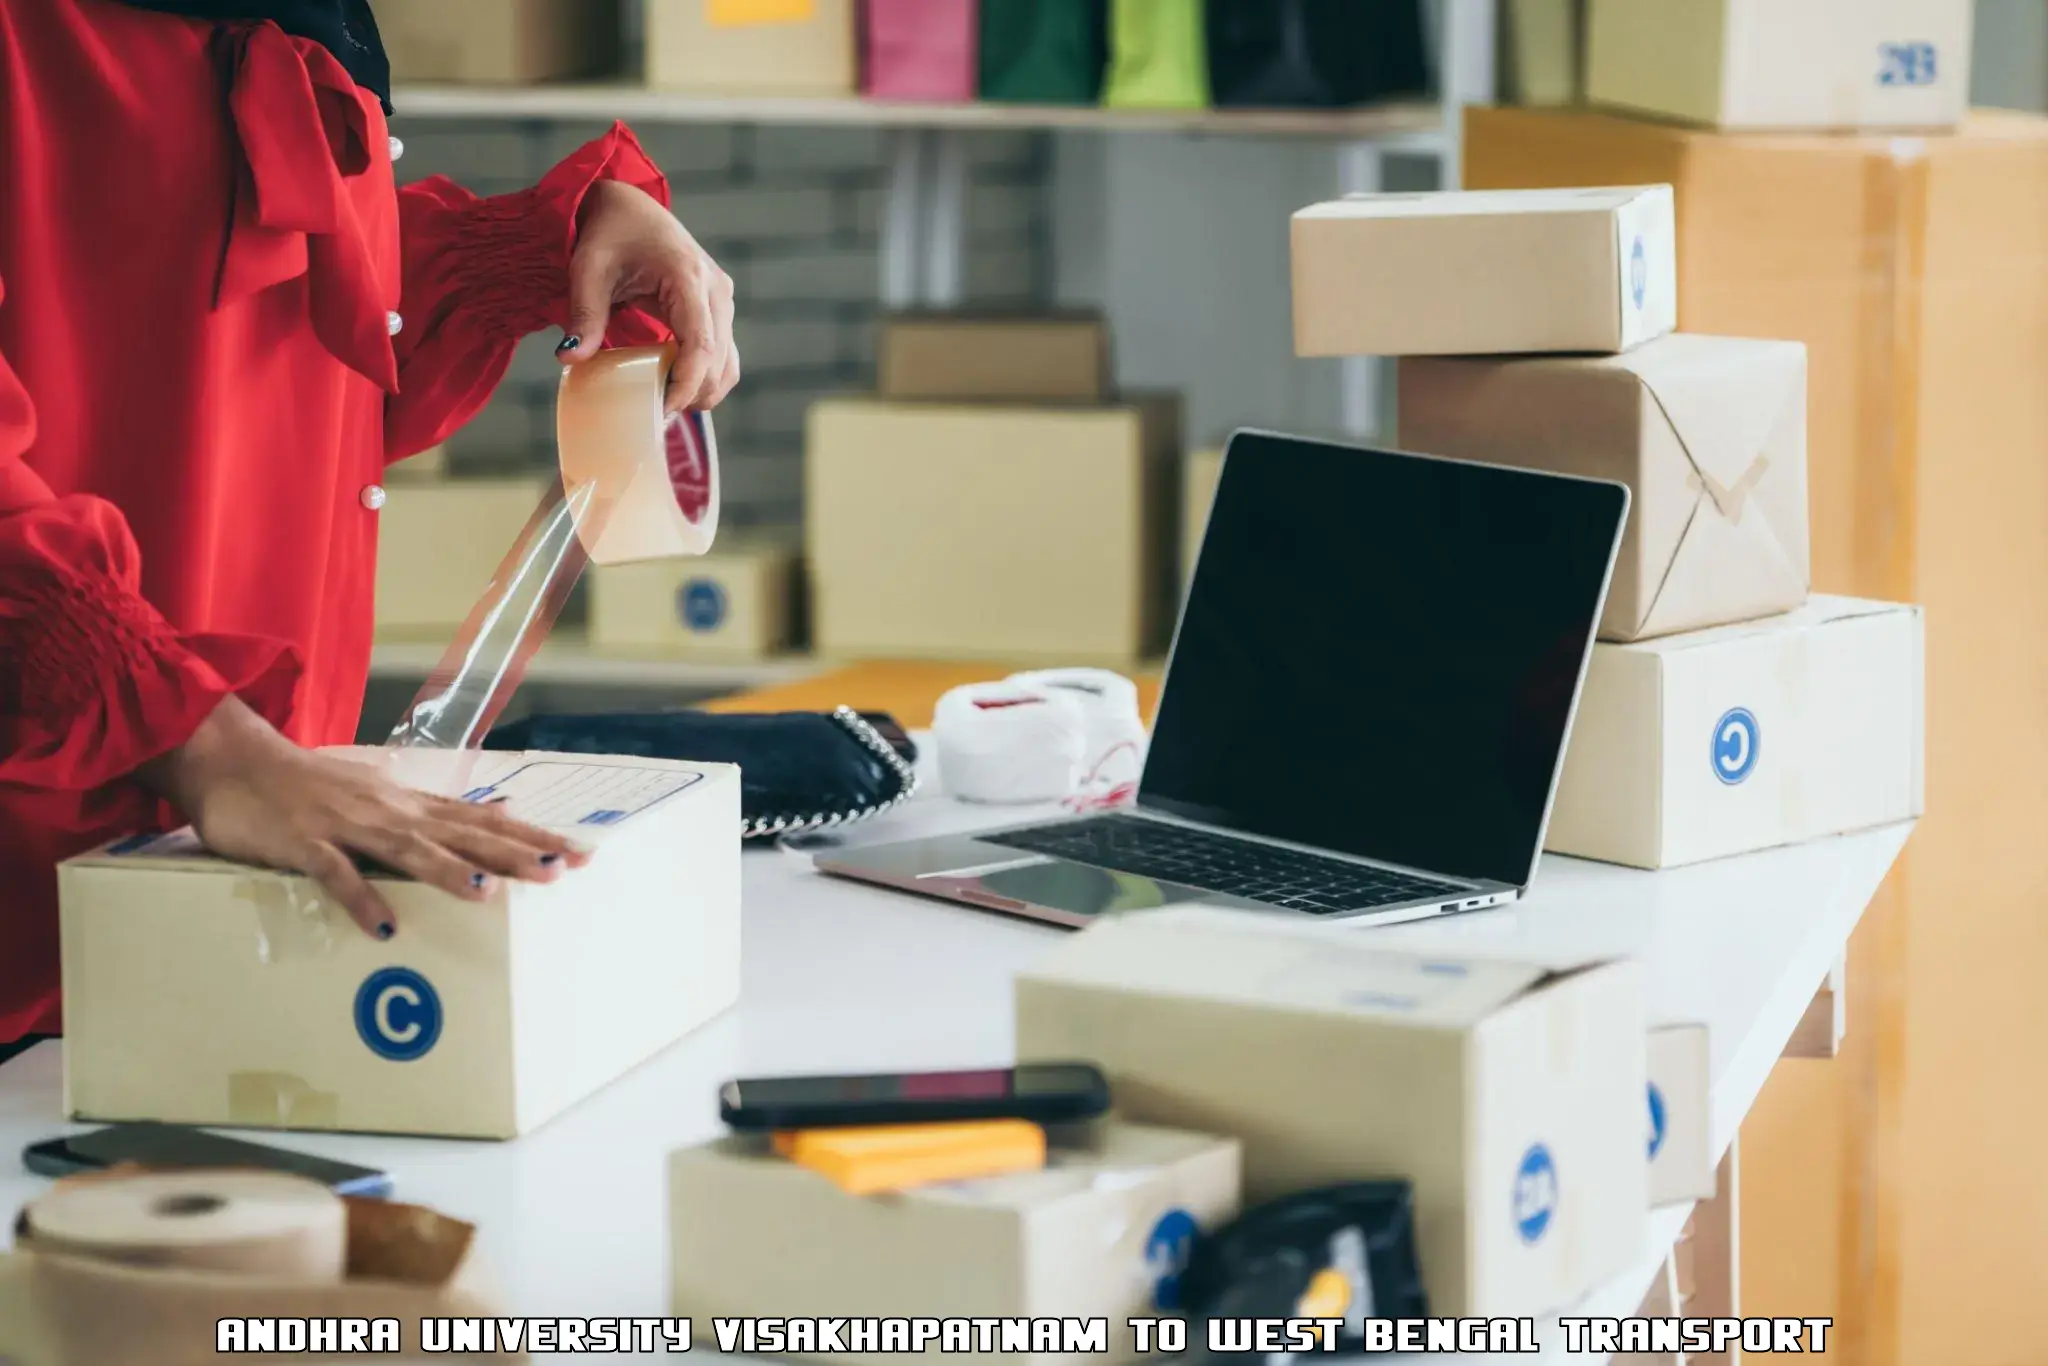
(1009,743)
(651,477)
(1114,754)
(233,1222)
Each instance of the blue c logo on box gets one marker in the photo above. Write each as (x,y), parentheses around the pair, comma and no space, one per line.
(1656,1121)
(1167,1249)
(1639,273)
(398,1014)
(701,605)
(1535,1193)
(1737,739)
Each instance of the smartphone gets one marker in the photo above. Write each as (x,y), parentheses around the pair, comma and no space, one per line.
(171,1146)
(1045,1093)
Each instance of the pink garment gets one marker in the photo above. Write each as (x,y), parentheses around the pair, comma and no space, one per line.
(921,49)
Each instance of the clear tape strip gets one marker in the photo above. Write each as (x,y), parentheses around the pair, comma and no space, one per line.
(481,670)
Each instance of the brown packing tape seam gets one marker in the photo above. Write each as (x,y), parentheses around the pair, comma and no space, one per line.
(280,1100)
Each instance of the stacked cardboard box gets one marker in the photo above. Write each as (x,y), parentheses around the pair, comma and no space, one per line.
(439,542)
(994,501)
(499,42)
(1915,272)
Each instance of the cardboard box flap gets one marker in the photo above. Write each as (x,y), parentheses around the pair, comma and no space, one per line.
(590,796)
(1445,203)
(1736,417)
(1822,610)
(1248,959)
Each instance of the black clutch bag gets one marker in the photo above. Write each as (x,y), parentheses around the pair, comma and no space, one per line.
(799,771)
(1315,53)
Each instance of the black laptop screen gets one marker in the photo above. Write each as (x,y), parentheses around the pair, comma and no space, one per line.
(1380,654)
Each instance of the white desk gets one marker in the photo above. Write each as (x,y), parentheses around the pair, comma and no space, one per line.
(841,977)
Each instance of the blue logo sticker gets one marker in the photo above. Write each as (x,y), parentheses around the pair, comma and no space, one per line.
(398,1014)
(1737,740)
(1167,1250)
(701,605)
(1535,1193)
(1656,1121)
(1917,64)
(1639,273)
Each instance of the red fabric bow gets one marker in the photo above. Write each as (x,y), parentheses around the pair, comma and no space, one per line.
(303,127)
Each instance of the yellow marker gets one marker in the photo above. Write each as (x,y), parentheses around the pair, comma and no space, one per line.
(1328,1296)
(746,13)
(878,1160)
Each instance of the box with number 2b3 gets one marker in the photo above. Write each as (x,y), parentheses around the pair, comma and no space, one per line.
(735,603)
(1510,1095)
(198,991)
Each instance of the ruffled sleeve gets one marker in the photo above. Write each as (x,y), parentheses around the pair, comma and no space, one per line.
(480,274)
(94,682)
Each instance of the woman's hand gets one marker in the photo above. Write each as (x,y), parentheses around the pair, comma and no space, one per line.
(256,797)
(630,250)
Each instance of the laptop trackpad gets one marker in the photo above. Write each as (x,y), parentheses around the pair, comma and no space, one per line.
(1076,887)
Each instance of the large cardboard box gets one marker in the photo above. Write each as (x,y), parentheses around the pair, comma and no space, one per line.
(1916,272)
(1024,359)
(1099,1234)
(1198,495)
(738,602)
(198,991)
(1542,51)
(1510,1095)
(429,466)
(1709,433)
(1457,273)
(1746,737)
(438,545)
(1681,1115)
(993,533)
(715,47)
(1783,64)
(499,42)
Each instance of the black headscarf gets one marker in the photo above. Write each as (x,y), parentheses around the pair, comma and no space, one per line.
(344,27)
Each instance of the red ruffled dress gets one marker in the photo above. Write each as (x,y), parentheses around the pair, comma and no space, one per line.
(219,321)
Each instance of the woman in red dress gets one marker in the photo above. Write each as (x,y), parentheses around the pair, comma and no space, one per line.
(219,321)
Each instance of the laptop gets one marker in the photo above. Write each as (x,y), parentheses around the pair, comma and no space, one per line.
(1364,712)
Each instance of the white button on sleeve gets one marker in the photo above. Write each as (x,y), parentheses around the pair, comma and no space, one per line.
(373,497)
(395,323)
(397,150)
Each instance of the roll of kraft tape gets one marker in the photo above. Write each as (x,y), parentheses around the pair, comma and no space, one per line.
(229,1222)
(1009,743)
(652,476)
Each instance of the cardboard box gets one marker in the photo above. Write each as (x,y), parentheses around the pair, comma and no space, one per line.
(991,533)
(1098,1234)
(1681,1115)
(1709,433)
(1508,1094)
(1542,51)
(995,359)
(439,544)
(737,602)
(429,466)
(1746,737)
(198,991)
(1197,497)
(1783,64)
(499,42)
(1457,273)
(714,47)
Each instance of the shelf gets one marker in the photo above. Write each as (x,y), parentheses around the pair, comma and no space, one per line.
(570,662)
(1420,122)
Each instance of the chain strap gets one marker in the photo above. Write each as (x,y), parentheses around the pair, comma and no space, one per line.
(869,739)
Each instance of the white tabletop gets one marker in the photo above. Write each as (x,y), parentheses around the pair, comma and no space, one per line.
(842,977)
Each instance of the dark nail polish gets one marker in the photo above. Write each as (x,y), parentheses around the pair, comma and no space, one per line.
(476,880)
(550,860)
(569,343)
(386,930)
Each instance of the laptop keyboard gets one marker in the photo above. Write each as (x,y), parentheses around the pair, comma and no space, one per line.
(1221,863)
